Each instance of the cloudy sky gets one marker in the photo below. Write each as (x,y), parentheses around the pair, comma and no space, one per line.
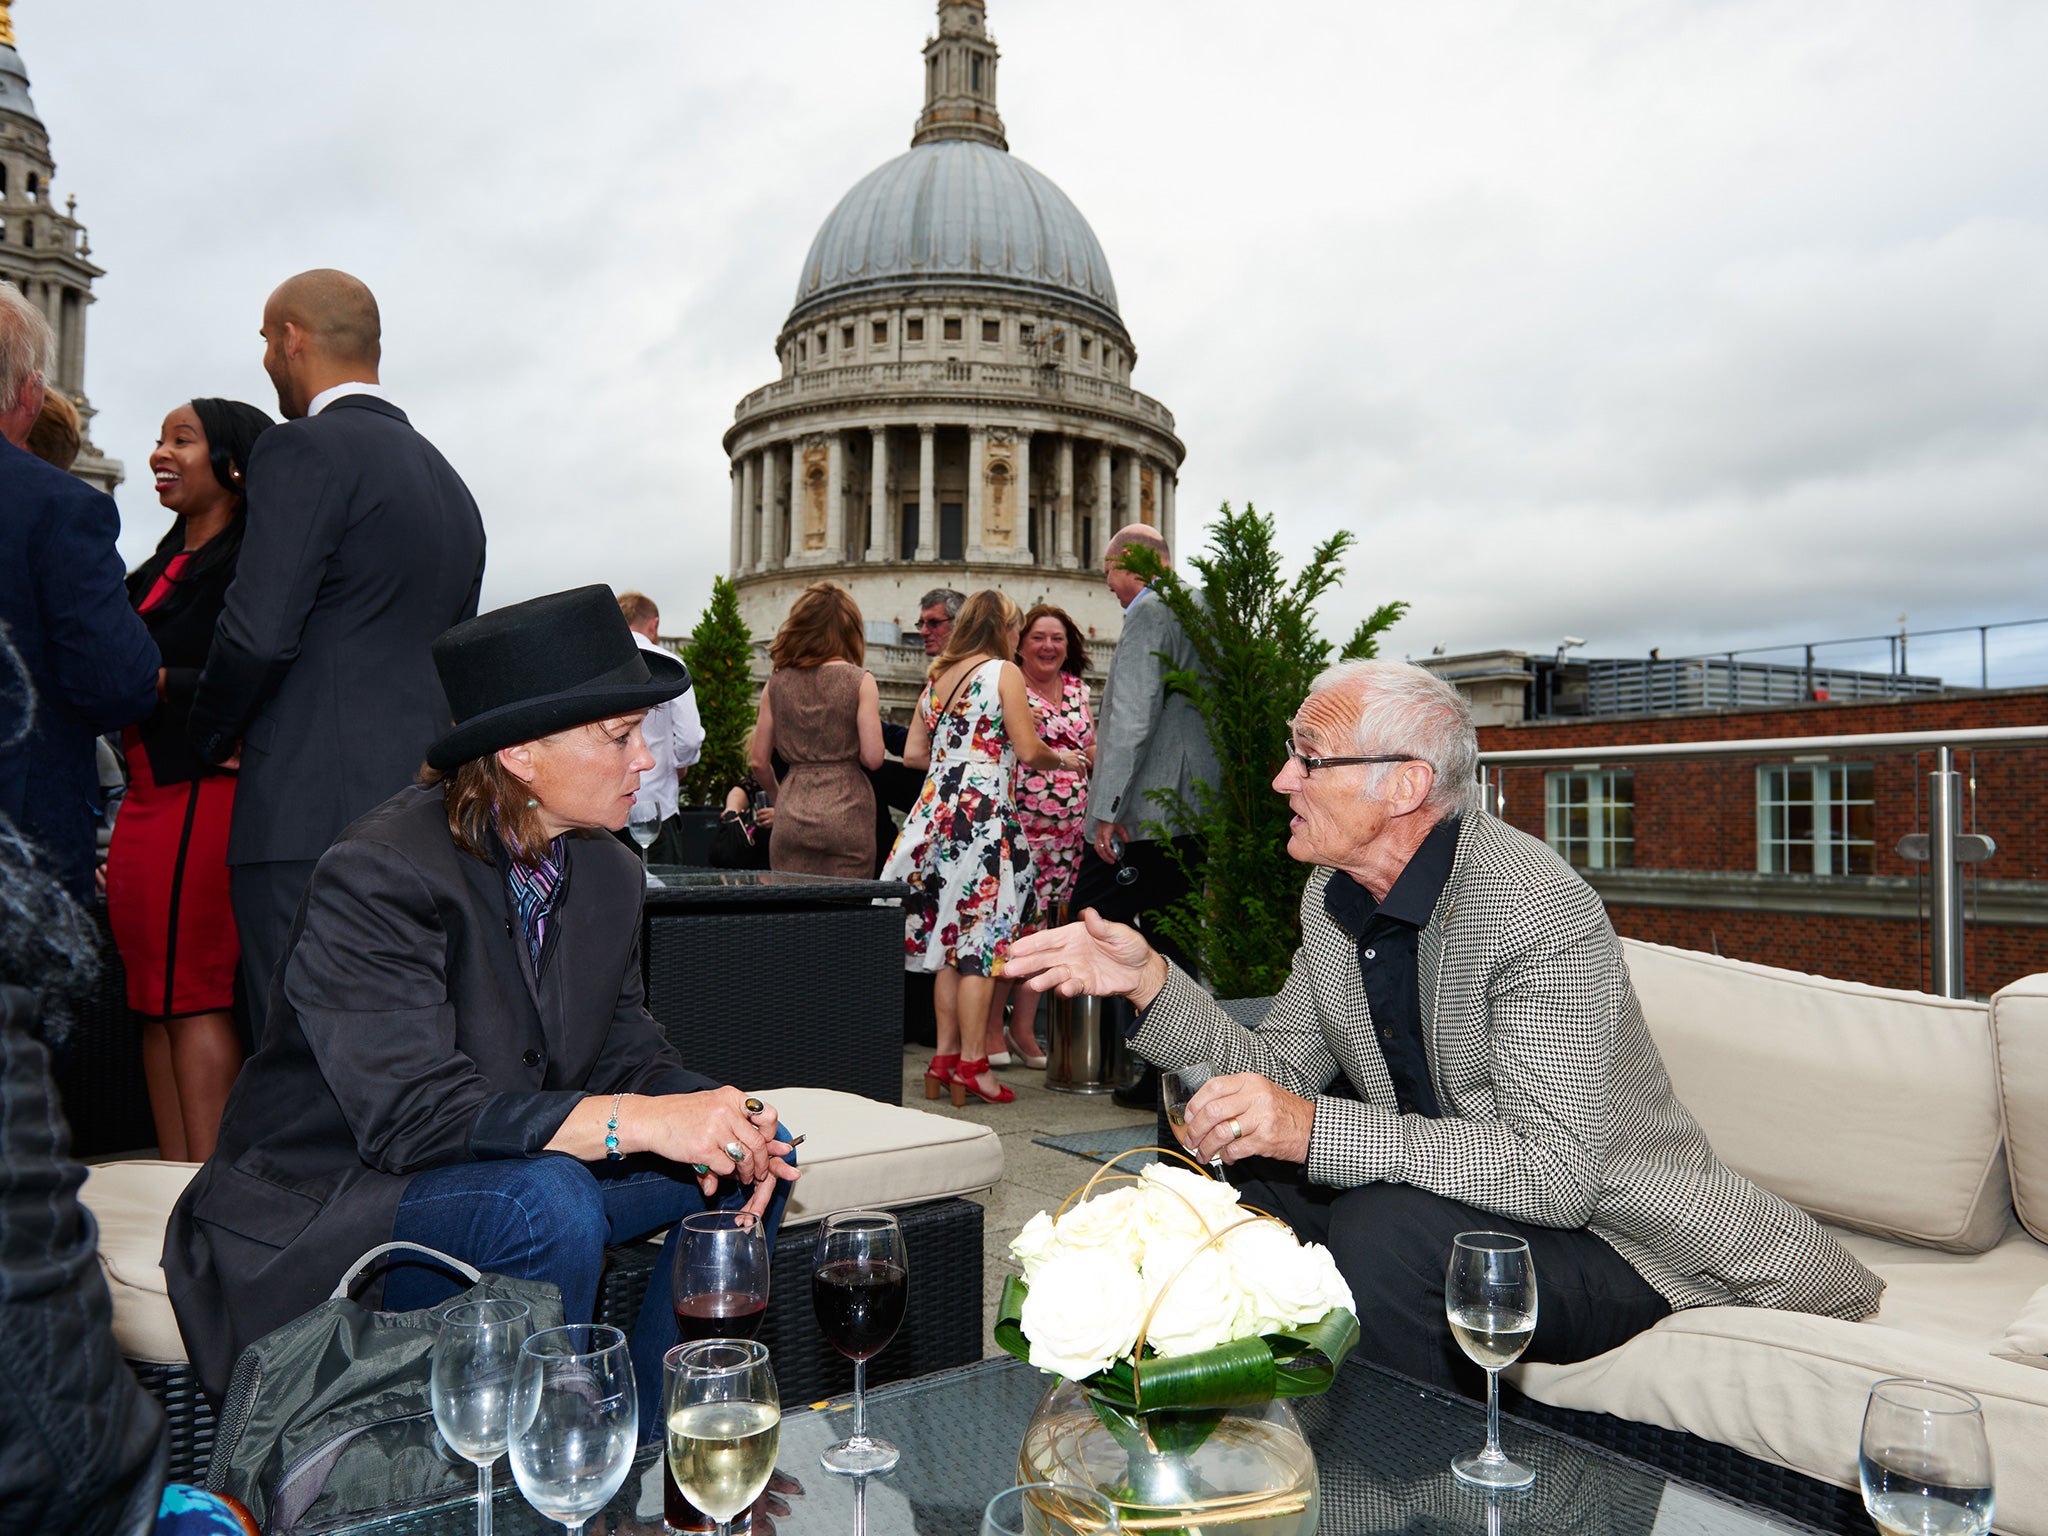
(1682,323)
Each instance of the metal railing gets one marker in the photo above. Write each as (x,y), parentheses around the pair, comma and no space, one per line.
(1945,798)
(2013,650)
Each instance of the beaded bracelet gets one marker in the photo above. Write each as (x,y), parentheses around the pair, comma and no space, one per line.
(611,1132)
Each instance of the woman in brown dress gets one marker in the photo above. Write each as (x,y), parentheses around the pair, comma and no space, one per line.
(822,715)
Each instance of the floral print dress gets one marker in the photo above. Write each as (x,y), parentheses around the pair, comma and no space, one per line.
(961,848)
(1052,803)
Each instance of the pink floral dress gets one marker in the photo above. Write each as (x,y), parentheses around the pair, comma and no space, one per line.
(1052,803)
(961,849)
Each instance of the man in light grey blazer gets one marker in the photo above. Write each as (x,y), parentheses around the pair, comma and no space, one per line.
(1458,1047)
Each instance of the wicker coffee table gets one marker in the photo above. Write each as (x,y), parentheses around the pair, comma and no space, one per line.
(1383,1446)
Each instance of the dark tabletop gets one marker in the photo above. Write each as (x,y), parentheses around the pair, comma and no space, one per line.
(682,887)
(1383,1447)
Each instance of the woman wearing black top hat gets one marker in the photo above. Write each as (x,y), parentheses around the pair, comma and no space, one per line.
(459,1052)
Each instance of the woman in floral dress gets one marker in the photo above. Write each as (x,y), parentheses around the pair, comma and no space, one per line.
(962,849)
(1052,804)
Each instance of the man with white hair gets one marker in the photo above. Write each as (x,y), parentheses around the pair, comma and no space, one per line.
(1458,1047)
(91,665)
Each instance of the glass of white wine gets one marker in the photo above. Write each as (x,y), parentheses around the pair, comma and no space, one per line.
(1490,1297)
(476,1349)
(1925,1463)
(1177,1088)
(575,1418)
(724,1423)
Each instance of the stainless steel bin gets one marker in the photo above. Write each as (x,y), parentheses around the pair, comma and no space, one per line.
(1084,1044)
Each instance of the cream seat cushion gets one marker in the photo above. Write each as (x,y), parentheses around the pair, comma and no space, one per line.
(1868,1107)
(1790,1388)
(858,1152)
(2019,1033)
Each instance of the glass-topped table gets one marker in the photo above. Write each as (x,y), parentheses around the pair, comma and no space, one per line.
(684,886)
(1383,1448)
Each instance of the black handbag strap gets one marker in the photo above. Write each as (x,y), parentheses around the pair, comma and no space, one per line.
(357,1269)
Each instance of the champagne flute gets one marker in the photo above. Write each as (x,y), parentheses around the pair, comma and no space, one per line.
(720,1290)
(860,1285)
(724,1423)
(475,1353)
(1490,1298)
(1177,1088)
(1924,1463)
(575,1418)
(1030,1509)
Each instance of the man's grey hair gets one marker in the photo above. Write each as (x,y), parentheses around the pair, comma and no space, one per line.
(945,595)
(1405,709)
(26,344)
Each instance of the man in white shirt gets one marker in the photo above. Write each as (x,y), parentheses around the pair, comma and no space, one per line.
(675,738)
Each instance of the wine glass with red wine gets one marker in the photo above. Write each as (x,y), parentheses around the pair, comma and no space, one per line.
(720,1291)
(860,1285)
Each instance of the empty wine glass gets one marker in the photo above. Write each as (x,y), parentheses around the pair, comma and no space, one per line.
(1036,1509)
(1924,1463)
(1126,874)
(575,1418)
(860,1285)
(720,1290)
(724,1423)
(1490,1298)
(476,1350)
(1177,1087)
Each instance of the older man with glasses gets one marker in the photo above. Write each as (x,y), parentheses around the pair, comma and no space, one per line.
(1458,1047)
(936,612)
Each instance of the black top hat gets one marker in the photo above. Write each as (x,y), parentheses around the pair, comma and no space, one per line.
(541,666)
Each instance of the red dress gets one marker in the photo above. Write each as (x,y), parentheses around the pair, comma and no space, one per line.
(167,880)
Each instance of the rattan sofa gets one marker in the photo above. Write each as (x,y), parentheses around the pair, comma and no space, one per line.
(858,1153)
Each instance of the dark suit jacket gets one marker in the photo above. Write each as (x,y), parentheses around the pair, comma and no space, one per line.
(363,545)
(90,661)
(182,627)
(406,1033)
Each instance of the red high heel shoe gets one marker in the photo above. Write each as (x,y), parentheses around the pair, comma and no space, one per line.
(965,1081)
(938,1075)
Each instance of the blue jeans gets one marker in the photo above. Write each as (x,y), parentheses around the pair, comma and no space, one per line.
(550,1218)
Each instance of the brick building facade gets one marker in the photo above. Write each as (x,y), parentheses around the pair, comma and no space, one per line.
(1793,861)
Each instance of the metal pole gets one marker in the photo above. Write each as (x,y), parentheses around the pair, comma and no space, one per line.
(1983,658)
(1945,876)
(1491,800)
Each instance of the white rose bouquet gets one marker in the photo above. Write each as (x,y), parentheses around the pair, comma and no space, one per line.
(1166,1293)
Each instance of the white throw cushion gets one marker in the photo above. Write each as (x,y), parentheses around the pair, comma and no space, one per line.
(1873,1108)
(2026,1337)
(857,1153)
(1790,1387)
(2019,1033)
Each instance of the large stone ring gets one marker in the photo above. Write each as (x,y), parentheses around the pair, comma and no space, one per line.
(735,1151)
(755,1106)
(1236,1131)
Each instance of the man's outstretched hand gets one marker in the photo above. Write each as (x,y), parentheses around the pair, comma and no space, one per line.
(1093,957)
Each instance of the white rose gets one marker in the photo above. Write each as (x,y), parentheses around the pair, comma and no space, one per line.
(1034,1245)
(1285,1284)
(1113,1222)
(1183,1203)
(1083,1312)
(1200,1303)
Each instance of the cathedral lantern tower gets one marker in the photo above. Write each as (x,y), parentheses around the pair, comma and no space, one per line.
(954,407)
(43,249)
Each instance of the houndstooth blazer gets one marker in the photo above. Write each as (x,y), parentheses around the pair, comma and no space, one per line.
(1557,1108)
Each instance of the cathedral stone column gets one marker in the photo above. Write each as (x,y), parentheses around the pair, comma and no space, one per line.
(765,552)
(977,468)
(786,543)
(1105,508)
(740,562)
(927,492)
(1025,516)
(1066,556)
(1167,482)
(1134,487)
(878,495)
(747,493)
(835,497)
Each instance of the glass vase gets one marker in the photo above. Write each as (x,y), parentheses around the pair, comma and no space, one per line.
(1228,1471)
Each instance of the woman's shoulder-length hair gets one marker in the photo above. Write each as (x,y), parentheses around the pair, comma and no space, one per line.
(1075,661)
(824,624)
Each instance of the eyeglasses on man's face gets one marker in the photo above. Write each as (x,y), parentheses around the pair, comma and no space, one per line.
(1310,763)
(937,623)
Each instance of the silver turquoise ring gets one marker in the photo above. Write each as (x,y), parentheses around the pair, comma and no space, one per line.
(735,1151)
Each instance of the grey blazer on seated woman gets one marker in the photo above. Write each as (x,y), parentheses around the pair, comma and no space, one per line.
(407,1032)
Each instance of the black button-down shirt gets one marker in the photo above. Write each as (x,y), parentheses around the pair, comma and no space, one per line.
(1387,933)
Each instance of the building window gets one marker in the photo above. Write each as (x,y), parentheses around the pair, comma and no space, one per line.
(1027,333)
(821,343)
(1087,346)
(991,330)
(977,72)
(802,352)
(952,531)
(1590,818)
(881,333)
(913,329)
(952,328)
(846,337)
(908,545)
(1815,819)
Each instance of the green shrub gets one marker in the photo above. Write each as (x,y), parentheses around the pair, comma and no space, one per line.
(718,653)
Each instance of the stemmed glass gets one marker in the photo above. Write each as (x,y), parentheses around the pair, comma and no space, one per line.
(1177,1088)
(1032,1508)
(860,1285)
(720,1290)
(1490,1297)
(724,1423)
(643,825)
(1924,1462)
(575,1417)
(475,1353)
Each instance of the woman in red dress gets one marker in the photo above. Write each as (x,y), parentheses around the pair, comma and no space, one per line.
(167,872)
